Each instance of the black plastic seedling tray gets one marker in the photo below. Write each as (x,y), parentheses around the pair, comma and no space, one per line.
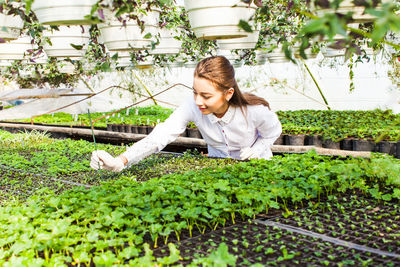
(368,233)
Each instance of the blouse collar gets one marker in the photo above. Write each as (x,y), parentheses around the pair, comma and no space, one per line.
(227,118)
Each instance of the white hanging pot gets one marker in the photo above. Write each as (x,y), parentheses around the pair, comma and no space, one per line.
(66,67)
(234,59)
(68,12)
(16,49)
(261,57)
(168,44)
(5,62)
(191,64)
(307,51)
(146,63)
(10,27)
(347,6)
(177,63)
(276,55)
(248,42)
(124,59)
(218,19)
(331,52)
(64,40)
(119,36)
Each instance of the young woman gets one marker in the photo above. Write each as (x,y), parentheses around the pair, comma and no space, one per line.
(233,124)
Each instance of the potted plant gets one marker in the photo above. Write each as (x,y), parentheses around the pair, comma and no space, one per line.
(219,19)
(71,12)
(355,8)
(11,23)
(16,49)
(335,46)
(233,56)
(276,54)
(248,42)
(167,44)
(66,41)
(130,26)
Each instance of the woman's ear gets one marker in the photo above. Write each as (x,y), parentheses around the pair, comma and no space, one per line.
(229,93)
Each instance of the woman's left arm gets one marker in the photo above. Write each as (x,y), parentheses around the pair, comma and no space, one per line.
(269,128)
(267,124)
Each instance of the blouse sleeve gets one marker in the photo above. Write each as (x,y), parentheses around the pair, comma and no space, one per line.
(163,134)
(267,124)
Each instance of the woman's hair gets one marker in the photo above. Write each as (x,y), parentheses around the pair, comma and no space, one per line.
(219,71)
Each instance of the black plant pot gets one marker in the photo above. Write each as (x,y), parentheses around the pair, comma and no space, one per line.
(109,127)
(295,140)
(142,129)
(114,127)
(149,129)
(397,154)
(194,133)
(386,147)
(128,129)
(346,144)
(308,140)
(363,145)
(184,134)
(330,144)
(280,140)
(134,129)
(314,140)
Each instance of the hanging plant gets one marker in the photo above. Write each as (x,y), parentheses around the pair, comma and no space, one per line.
(71,12)
(11,20)
(50,74)
(212,20)
(66,41)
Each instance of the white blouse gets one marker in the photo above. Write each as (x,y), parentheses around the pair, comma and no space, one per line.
(224,136)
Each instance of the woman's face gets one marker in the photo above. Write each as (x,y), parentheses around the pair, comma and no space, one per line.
(209,99)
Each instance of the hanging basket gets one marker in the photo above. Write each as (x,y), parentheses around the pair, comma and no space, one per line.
(168,44)
(124,60)
(66,67)
(307,52)
(10,27)
(177,63)
(234,59)
(15,49)
(248,42)
(146,63)
(57,12)
(5,63)
(126,35)
(191,64)
(332,52)
(276,55)
(218,19)
(261,57)
(347,6)
(66,40)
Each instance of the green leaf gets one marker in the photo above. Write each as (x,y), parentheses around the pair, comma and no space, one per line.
(115,56)
(77,47)
(245,26)
(147,36)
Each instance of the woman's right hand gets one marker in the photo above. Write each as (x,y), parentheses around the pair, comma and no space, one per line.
(102,160)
